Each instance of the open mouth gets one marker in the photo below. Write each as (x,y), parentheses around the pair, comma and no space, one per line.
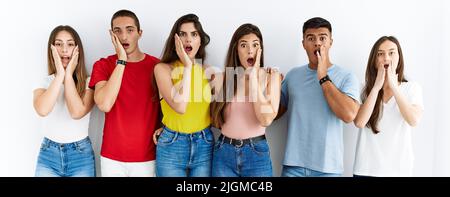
(250,61)
(188,49)
(317,52)
(386,66)
(65,58)
(125,45)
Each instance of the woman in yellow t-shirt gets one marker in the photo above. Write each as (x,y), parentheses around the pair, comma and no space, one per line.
(185,145)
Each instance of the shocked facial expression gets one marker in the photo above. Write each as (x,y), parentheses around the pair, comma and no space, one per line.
(314,39)
(387,55)
(247,49)
(190,38)
(126,30)
(65,44)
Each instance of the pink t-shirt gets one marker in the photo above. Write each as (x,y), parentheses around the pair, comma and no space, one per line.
(241,121)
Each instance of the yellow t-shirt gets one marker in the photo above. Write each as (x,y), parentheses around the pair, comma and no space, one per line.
(197,116)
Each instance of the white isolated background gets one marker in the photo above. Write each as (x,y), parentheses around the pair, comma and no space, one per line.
(423,28)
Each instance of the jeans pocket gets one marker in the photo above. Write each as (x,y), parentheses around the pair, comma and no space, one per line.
(44,146)
(84,147)
(261,147)
(167,138)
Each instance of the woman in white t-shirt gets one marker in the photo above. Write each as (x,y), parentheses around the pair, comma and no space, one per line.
(391,106)
(65,101)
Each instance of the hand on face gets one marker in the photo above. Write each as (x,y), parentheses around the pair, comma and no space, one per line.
(392,77)
(57,60)
(257,63)
(381,75)
(73,61)
(322,59)
(182,55)
(120,51)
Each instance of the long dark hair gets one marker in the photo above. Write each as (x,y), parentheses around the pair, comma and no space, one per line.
(80,73)
(170,54)
(371,75)
(232,60)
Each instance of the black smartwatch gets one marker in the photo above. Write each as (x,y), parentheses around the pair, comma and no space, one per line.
(324,79)
(123,62)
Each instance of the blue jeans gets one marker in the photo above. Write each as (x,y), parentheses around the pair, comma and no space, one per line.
(249,160)
(184,155)
(66,159)
(297,171)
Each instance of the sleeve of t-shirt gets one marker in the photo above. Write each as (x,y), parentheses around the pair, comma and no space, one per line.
(415,94)
(284,97)
(99,73)
(351,87)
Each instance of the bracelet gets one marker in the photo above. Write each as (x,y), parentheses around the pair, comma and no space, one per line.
(123,62)
(324,79)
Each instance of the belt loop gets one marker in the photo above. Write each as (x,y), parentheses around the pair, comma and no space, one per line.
(241,143)
(77,146)
(46,143)
(221,139)
(203,135)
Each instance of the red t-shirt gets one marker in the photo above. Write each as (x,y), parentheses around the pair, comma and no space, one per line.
(129,126)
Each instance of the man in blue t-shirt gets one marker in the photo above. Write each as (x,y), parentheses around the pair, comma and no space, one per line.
(317,97)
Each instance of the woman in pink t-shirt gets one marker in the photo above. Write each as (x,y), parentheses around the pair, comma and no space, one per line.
(250,103)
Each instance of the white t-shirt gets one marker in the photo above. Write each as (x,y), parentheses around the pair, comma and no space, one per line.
(390,152)
(58,125)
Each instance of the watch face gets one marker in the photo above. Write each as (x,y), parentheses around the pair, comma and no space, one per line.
(121,62)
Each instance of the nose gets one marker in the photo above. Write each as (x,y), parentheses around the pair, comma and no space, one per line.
(188,39)
(387,58)
(251,50)
(122,36)
(65,48)
(317,43)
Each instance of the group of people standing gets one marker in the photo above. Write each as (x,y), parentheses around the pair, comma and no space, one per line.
(159,112)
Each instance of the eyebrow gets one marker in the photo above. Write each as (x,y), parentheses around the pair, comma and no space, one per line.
(246,41)
(187,32)
(321,34)
(62,40)
(391,49)
(127,27)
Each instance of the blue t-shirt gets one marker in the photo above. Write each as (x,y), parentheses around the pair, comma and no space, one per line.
(315,133)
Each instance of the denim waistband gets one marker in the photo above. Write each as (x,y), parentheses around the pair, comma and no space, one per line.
(49,142)
(207,129)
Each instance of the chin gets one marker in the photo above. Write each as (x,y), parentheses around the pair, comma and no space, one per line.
(129,50)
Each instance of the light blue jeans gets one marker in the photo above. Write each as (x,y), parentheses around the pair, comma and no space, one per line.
(184,155)
(66,159)
(297,171)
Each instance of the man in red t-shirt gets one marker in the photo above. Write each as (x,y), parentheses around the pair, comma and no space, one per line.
(125,91)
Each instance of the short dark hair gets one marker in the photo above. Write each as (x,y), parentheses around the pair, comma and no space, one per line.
(315,23)
(126,13)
